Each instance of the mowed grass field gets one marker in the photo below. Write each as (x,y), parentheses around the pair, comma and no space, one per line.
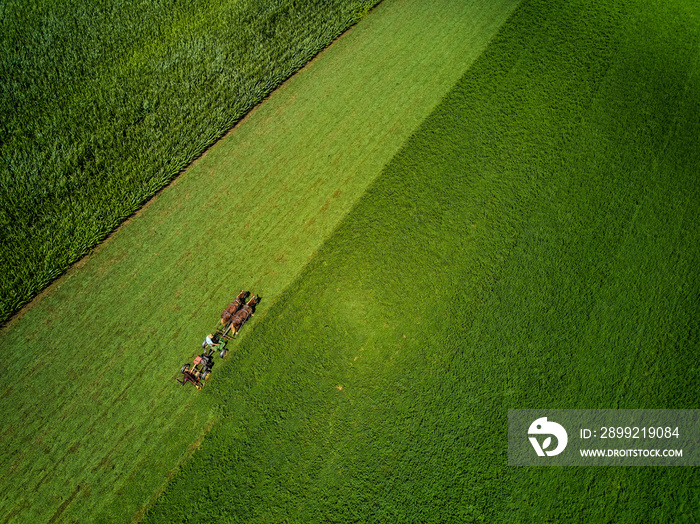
(93,424)
(534,245)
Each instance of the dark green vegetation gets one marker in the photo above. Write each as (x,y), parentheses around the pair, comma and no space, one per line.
(102,103)
(534,245)
(93,424)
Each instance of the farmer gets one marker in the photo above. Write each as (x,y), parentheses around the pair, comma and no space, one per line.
(211,340)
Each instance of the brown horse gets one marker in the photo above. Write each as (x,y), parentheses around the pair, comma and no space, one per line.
(243,315)
(232,309)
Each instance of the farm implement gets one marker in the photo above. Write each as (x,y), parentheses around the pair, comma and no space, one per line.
(232,320)
(199,370)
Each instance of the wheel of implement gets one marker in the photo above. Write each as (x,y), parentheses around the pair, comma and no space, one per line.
(184,368)
(224,352)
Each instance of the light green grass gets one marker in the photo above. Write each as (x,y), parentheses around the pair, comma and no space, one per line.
(93,424)
(534,245)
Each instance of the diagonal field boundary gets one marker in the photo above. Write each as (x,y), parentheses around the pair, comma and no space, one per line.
(93,423)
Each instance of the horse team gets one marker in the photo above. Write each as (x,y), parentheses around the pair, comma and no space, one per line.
(238,312)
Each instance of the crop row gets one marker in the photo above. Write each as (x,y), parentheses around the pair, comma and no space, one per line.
(103,103)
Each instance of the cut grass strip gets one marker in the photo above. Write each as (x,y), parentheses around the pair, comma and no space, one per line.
(91,403)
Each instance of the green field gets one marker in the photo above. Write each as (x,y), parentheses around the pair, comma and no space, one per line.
(535,244)
(457,209)
(93,424)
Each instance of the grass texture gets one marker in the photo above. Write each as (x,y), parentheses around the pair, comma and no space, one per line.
(534,245)
(93,424)
(103,102)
